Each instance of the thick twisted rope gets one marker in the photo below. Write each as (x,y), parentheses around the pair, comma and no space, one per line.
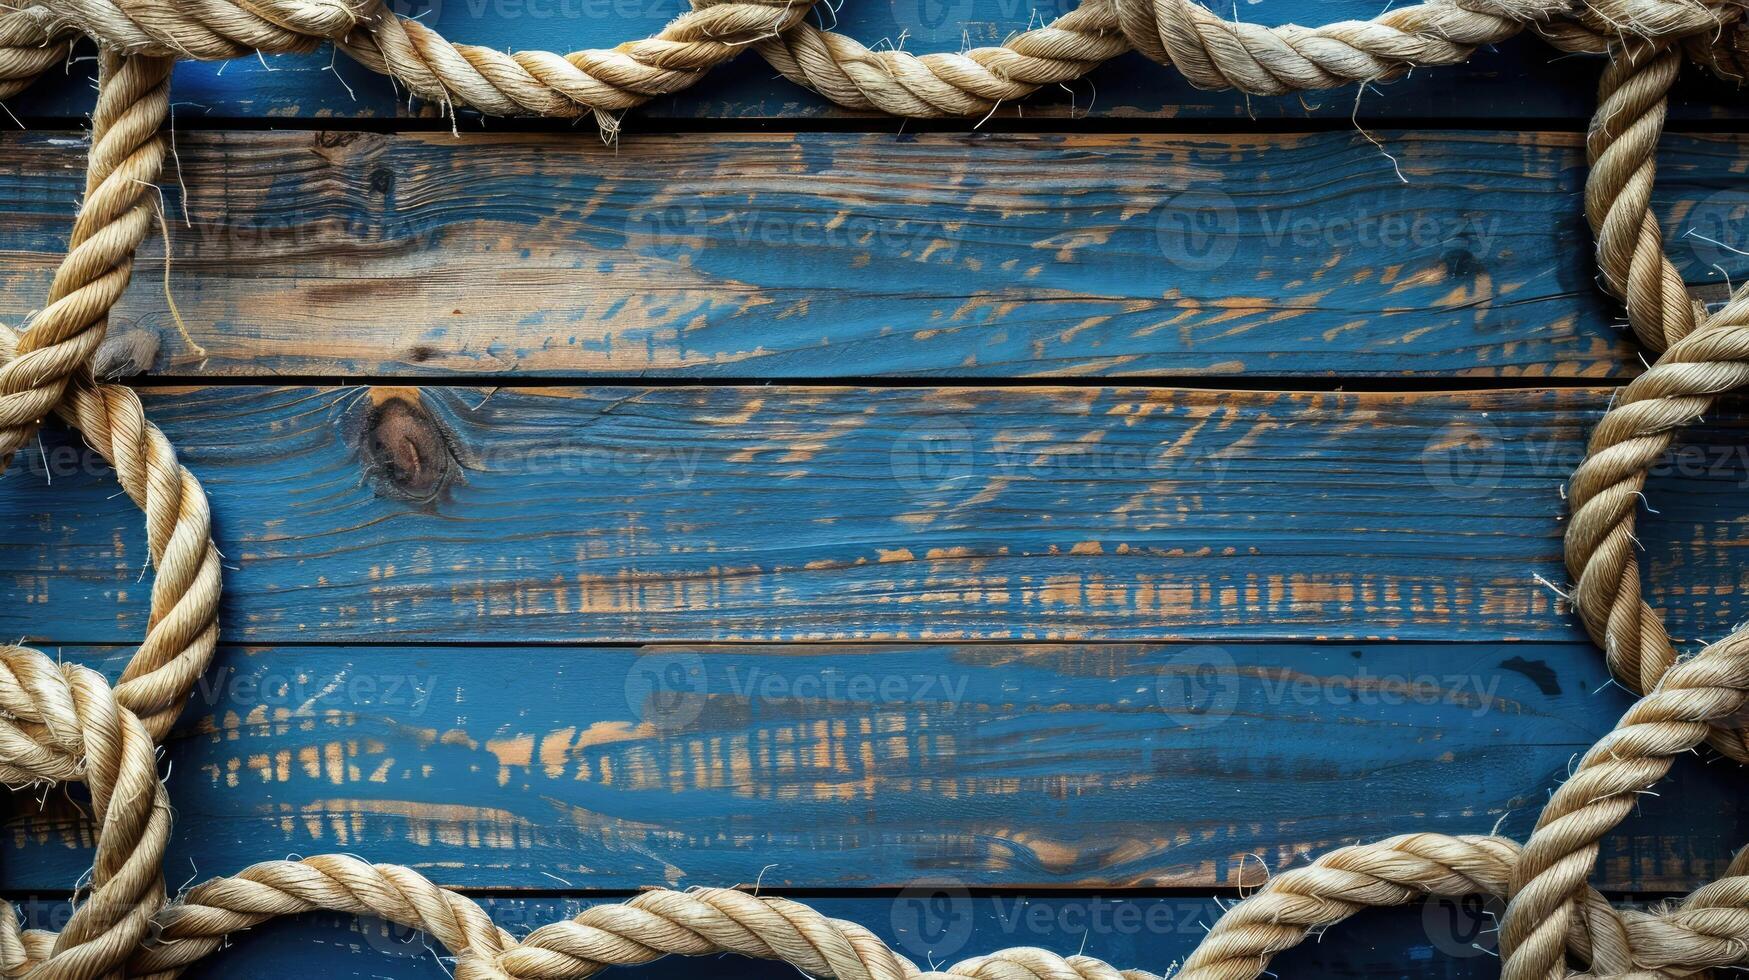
(1699,365)
(45,370)
(59,724)
(29,46)
(63,723)
(1621,146)
(1606,489)
(66,724)
(1708,929)
(1552,908)
(520,83)
(126,159)
(1210,51)
(1549,880)
(1553,911)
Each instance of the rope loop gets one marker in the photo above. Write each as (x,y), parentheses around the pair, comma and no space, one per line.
(62,723)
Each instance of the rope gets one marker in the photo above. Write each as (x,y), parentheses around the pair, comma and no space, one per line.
(1698,364)
(63,723)
(46,369)
(1210,51)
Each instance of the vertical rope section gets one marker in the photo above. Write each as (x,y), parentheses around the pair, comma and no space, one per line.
(126,159)
(1621,145)
(1605,491)
(47,368)
(62,723)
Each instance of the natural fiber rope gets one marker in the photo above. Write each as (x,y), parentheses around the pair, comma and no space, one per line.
(1711,928)
(60,723)
(64,723)
(1697,366)
(1210,51)
(1552,909)
(51,360)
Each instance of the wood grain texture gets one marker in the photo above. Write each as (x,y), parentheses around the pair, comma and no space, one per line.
(850,766)
(837,255)
(1524,79)
(714,514)
(1440,941)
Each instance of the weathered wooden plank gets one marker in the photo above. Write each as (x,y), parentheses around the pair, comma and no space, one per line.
(716,513)
(1438,941)
(1524,79)
(836,255)
(879,766)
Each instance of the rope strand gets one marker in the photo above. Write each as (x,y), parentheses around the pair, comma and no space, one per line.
(1209,50)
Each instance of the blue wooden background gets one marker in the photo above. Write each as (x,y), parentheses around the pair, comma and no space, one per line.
(1034,534)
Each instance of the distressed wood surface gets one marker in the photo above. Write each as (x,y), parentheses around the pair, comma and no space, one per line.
(1444,940)
(1524,79)
(713,513)
(849,766)
(841,255)
(1127,638)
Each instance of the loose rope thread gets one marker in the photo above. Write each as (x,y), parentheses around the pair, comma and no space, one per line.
(62,723)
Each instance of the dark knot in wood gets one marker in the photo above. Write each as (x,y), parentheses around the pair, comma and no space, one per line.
(406,453)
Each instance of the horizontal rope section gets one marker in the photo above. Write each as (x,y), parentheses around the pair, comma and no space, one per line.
(1210,51)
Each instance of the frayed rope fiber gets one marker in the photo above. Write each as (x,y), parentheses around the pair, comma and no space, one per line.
(62,723)
(1209,50)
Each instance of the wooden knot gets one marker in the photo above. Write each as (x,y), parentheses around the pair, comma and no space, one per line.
(125,353)
(405,452)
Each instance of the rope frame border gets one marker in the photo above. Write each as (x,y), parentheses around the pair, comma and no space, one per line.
(64,723)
